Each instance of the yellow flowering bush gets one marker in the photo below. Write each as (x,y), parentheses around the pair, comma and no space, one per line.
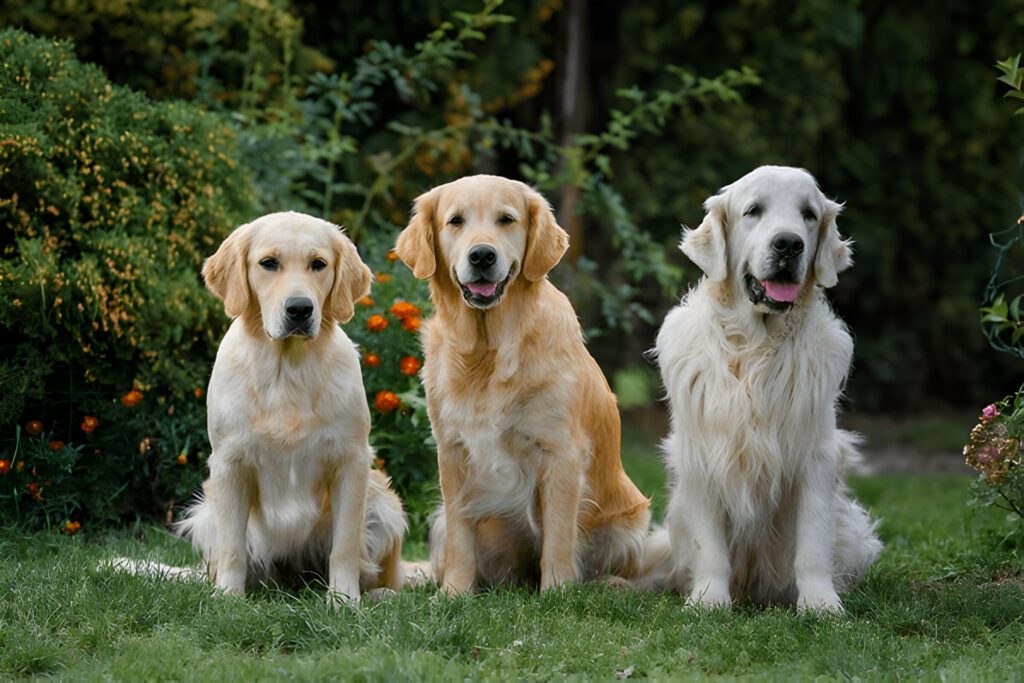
(108,204)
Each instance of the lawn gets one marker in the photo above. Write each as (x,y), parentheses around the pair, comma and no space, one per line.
(942,602)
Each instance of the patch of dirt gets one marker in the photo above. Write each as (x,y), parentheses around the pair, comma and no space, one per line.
(897,459)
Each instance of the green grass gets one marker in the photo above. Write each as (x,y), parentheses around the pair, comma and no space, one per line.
(932,607)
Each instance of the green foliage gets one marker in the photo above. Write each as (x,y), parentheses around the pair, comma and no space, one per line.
(108,204)
(918,148)
(386,327)
(1003,325)
(1013,76)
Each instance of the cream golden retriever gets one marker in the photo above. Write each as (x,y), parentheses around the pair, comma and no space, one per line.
(290,487)
(754,360)
(526,426)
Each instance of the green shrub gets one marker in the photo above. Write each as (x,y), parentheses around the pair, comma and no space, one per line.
(108,204)
(994,448)
(386,327)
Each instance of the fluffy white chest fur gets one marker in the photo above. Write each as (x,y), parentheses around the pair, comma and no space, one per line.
(751,411)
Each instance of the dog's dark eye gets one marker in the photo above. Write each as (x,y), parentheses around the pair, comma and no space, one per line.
(456,220)
(317,264)
(506,219)
(809,215)
(754,210)
(269,263)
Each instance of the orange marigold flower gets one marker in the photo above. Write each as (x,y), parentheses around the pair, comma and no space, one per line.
(35,490)
(377,323)
(365,301)
(383,277)
(89,424)
(34,427)
(404,309)
(409,365)
(197,392)
(56,445)
(182,458)
(392,256)
(72,527)
(386,401)
(371,360)
(411,324)
(132,398)
(5,466)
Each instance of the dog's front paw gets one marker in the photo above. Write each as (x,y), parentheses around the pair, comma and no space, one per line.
(457,581)
(230,583)
(824,600)
(710,594)
(554,579)
(337,599)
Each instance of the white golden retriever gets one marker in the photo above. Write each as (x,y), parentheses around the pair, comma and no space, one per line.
(754,360)
(527,428)
(290,487)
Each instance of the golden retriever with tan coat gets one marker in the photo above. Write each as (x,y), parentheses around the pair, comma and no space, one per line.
(526,426)
(290,487)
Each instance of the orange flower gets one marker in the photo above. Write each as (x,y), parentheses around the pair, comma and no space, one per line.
(34,427)
(386,401)
(365,301)
(383,277)
(371,360)
(35,490)
(56,445)
(182,458)
(5,466)
(377,323)
(409,365)
(72,527)
(197,392)
(392,256)
(89,424)
(411,324)
(404,309)
(131,399)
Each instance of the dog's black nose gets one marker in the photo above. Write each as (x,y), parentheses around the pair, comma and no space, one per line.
(482,256)
(298,308)
(788,245)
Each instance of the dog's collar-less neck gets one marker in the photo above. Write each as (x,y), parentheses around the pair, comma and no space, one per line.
(475,330)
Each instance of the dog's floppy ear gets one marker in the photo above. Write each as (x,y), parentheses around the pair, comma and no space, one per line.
(546,241)
(226,273)
(415,245)
(834,253)
(351,280)
(706,246)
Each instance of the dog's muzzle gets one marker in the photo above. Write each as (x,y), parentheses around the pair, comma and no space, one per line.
(486,286)
(781,288)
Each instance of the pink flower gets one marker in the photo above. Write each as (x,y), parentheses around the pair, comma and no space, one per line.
(990,411)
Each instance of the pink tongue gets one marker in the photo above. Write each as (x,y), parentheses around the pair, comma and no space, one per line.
(484,289)
(781,292)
